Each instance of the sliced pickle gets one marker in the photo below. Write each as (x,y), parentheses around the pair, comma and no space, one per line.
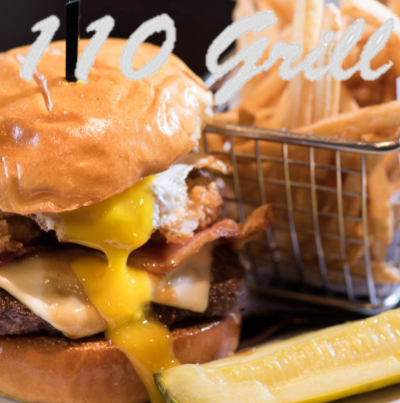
(315,368)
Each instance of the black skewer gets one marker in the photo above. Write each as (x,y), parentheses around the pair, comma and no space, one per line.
(72,39)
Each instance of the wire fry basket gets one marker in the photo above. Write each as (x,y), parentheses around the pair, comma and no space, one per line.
(309,253)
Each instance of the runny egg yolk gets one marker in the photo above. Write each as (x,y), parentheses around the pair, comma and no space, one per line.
(117,226)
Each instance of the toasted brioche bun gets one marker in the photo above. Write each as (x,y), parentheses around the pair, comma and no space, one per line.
(45,369)
(66,145)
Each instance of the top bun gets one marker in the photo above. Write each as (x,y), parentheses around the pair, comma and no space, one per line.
(65,145)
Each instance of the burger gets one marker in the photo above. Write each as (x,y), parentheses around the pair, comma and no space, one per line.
(115,261)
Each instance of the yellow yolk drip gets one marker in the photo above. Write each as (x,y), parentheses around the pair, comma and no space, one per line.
(117,226)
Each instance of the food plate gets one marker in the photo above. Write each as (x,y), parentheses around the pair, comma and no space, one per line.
(387,395)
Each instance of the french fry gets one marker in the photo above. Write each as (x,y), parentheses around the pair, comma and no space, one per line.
(284,10)
(231,116)
(371,119)
(287,33)
(347,21)
(373,161)
(383,273)
(327,108)
(302,92)
(269,90)
(277,121)
(382,58)
(379,210)
(391,164)
(327,90)
(371,10)
(389,92)
(394,6)
(354,56)
(353,160)
(264,115)
(367,93)
(246,117)
(352,208)
(351,205)
(306,28)
(377,14)
(259,117)
(347,101)
(243,9)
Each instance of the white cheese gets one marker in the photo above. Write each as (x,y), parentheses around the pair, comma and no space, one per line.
(47,285)
(188,286)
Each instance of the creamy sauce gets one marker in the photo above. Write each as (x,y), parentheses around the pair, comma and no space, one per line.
(117,226)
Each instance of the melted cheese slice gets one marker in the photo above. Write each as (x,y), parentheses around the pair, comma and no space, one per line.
(188,286)
(50,289)
(48,286)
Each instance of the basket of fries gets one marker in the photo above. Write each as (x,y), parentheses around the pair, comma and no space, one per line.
(325,154)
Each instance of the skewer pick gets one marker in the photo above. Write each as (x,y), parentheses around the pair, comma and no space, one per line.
(72,38)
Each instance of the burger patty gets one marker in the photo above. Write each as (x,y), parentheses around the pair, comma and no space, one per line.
(17,318)
(227,295)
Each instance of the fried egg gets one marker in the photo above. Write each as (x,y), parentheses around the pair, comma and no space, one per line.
(120,294)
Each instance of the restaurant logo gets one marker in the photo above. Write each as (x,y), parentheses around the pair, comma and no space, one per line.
(247,58)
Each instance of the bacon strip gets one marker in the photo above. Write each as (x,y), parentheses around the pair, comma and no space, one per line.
(9,256)
(6,258)
(161,258)
(256,223)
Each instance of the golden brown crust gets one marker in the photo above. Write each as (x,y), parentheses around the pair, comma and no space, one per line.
(204,207)
(17,233)
(6,245)
(44,369)
(66,145)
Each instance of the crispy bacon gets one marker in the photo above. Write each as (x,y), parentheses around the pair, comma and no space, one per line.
(9,256)
(256,223)
(16,233)
(160,257)
(204,207)
(6,245)
(6,258)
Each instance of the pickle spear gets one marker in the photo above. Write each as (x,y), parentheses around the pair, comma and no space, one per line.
(317,367)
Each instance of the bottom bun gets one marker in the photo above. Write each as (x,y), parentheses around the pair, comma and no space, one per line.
(45,369)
